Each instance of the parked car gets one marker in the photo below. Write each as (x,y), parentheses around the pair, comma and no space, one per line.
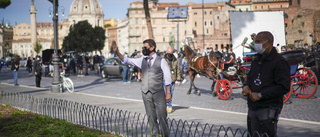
(3,63)
(9,61)
(23,62)
(111,67)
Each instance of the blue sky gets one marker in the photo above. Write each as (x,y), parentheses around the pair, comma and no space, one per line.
(18,11)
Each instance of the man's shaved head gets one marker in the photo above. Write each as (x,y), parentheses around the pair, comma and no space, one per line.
(267,35)
(170,50)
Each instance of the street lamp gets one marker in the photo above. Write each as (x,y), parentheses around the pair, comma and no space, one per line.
(56,83)
(4,25)
(50,10)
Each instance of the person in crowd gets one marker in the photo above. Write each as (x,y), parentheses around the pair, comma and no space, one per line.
(268,80)
(230,59)
(87,64)
(29,66)
(136,69)
(73,66)
(283,49)
(96,63)
(305,49)
(37,67)
(225,58)
(51,67)
(126,72)
(174,67)
(80,65)
(154,70)
(15,68)
(252,44)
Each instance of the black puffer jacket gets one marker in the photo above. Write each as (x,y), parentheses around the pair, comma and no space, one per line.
(274,74)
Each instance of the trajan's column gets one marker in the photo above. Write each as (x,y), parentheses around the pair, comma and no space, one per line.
(33,20)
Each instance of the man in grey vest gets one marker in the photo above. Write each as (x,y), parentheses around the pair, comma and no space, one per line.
(154,70)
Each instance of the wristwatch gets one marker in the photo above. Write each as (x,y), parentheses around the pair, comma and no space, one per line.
(259,95)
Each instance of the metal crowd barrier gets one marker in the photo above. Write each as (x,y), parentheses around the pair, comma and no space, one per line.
(115,121)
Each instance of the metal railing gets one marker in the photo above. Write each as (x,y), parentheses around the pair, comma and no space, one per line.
(115,121)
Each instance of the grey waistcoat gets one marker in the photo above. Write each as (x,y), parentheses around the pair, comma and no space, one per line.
(152,78)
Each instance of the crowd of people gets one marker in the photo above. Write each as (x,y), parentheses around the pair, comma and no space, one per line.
(159,72)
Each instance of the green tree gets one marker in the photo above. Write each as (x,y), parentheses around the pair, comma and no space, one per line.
(99,38)
(4,3)
(37,48)
(83,38)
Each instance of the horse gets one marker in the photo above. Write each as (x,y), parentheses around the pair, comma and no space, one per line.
(207,66)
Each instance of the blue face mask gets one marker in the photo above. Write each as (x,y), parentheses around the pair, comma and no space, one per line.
(259,48)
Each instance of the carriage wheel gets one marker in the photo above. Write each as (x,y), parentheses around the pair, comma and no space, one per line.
(287,96)
(305,83)
(224,89)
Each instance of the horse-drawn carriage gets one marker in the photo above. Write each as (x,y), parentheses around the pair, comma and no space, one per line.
(303,80)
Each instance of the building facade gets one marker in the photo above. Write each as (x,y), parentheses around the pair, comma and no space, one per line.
(123,35)
(89,10)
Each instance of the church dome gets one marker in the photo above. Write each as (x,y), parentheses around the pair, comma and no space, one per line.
(89,10)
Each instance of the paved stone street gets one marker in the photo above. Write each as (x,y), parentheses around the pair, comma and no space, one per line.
(299,118)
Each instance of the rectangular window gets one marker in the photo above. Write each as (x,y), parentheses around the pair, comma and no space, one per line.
(261,7)
(137,21)
(195,13)
(163,31)
(137,31)
(164,39)
(153,21)
(205,12)
(207,31)
(143,21)
(154,30)
(137,40)
(210,12)
(195,24)
(143,31)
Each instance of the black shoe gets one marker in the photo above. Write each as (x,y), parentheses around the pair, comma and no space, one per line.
(87,74)
(16,84)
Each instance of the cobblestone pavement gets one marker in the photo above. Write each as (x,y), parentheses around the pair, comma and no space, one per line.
(300,109)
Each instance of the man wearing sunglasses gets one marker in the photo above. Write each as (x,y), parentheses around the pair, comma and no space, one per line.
(154,70)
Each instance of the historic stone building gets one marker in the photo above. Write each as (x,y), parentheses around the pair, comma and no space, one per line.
(89,10)
(24,35)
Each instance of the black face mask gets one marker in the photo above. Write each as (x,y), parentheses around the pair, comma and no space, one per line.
(170,56)
(146,51)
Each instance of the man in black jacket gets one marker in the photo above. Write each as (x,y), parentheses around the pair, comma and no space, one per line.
(37,70)
(268,80)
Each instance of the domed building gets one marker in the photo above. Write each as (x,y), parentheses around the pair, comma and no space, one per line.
(89,10)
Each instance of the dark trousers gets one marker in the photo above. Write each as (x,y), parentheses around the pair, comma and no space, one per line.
(38,80)
(156,109)
(263,121)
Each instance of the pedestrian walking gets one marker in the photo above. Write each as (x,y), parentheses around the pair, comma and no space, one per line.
(154,70)
(37,67)
(80,65)
(96,63)
(268,80)
(29,66)
(87,64)
(15,68)
(174,67)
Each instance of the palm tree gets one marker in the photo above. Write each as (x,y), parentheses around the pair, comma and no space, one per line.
(148,20)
